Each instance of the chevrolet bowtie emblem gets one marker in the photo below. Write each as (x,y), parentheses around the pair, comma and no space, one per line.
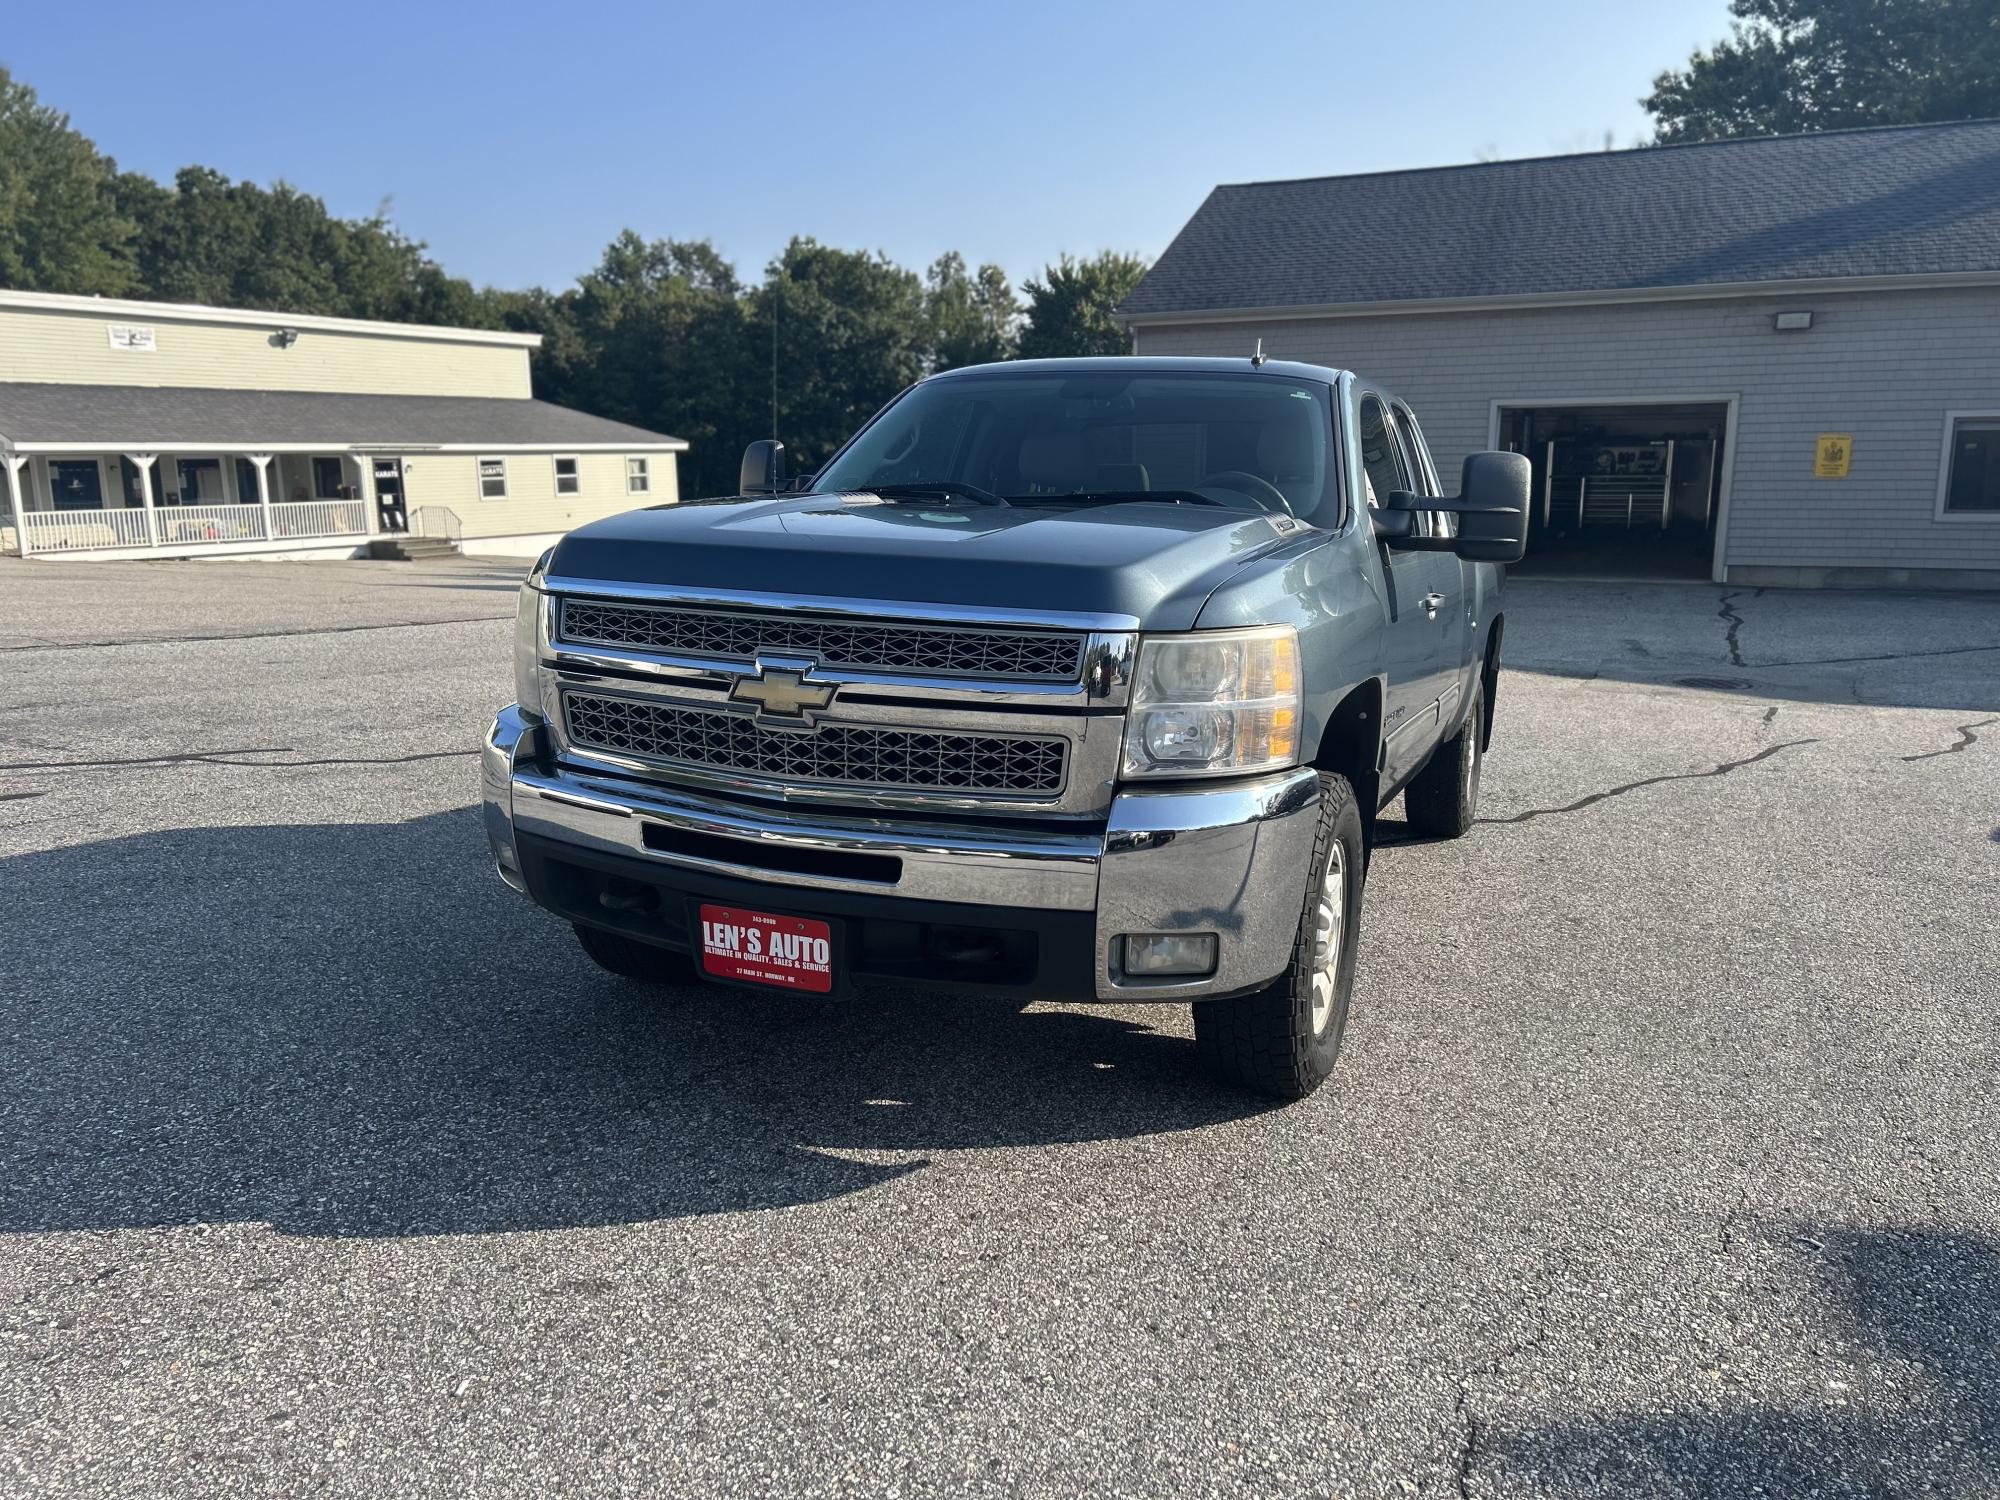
(783,698)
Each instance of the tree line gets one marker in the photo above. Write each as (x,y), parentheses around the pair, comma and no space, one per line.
(664,333)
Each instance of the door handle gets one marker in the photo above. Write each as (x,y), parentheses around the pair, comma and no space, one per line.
(1432,603)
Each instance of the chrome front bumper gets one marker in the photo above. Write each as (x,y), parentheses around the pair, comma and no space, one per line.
(1224,858)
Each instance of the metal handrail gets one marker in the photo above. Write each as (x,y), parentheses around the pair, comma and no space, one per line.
(436,521)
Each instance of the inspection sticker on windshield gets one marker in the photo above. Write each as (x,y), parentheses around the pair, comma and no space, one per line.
(756,947)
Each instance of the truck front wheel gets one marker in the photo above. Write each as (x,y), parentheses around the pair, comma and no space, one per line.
(1284,1039)
(632,959)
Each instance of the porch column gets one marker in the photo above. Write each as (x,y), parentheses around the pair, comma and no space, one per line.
(364,473)
(17,500)
(263,463)
(143,462)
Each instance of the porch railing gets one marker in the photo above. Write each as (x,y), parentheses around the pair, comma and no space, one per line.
(184,525)
(298,518)
(84,530)
(180,524)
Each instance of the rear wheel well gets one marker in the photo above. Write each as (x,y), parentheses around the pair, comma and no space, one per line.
(1489,676)
(1351,744)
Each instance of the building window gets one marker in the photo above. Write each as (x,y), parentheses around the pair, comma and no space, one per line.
(329,479)
(638,479)
(1971,485)
(201,481)
(493,479)
(566,480)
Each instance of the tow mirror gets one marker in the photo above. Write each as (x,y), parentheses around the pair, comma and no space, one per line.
(1491,506)
(763,470)
(1396,520)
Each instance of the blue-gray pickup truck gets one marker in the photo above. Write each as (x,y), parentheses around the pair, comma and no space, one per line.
(1067,680)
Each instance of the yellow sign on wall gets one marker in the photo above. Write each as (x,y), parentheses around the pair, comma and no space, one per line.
(1836,451)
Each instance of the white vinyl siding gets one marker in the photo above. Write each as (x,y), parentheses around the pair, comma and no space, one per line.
(532,505)
(71,347)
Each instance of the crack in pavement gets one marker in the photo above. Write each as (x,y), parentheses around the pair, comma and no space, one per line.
(20,796)
(230,757)
(1468,1449)
(256,635)
(1966,739)
(1735,622)
(1839,661)
(1632,786)
(1535,1339)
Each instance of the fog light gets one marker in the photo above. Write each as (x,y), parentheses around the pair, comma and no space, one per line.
(1161,953)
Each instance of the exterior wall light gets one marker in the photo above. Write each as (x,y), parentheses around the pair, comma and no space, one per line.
(290,336)
(1792,322)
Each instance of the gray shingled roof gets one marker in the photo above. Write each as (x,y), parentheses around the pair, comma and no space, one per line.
(178,416)
(1912,200)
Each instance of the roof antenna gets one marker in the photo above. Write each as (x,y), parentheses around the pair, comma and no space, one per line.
(1258,357)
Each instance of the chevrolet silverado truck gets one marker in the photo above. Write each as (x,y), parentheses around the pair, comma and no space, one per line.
(1067,680)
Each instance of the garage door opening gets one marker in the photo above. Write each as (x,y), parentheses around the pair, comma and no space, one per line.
(1621,490)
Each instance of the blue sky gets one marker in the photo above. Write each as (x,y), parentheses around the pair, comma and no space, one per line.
(517,139)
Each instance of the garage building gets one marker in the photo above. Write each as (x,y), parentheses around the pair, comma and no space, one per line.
(148,429)
(1768,361)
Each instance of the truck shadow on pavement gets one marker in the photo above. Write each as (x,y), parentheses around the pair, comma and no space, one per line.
(1903,1398)
(356,1030)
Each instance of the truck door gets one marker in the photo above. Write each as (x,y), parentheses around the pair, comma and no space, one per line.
(1447,576)
(1414,638)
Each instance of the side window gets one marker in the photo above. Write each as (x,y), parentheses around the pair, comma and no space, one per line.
(1439,523)
(1383,466)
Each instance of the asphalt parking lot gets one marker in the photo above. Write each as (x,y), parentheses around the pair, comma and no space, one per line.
(1661,1160)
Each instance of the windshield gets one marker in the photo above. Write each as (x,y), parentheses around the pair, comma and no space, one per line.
(1253,442)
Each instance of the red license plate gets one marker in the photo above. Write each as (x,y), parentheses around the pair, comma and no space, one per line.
(788,953)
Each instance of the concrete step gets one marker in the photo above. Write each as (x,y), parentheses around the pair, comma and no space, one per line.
(412,548)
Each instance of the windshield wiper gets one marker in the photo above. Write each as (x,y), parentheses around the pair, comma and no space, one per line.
(930,489)
(1122,497)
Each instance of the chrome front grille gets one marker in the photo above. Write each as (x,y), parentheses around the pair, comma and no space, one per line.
(910,648)
(844,754)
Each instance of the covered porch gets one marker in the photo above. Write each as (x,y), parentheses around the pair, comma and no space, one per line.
(148,503)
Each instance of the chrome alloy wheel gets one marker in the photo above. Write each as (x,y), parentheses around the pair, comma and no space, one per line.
(1329,936)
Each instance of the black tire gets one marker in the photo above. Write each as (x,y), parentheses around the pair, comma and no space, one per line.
(632,959)
(1284,1039)
(1442,801)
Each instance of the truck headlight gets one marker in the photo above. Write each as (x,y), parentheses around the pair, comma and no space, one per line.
(1214,703)
(528,642)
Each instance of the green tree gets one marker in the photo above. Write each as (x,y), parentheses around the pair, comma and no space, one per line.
(1800,65)
(851,330)
(236,244)
(973,315)
(1069,309)
(655,335)
(60,229)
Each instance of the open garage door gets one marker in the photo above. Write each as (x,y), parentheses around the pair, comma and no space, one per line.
(1621,490)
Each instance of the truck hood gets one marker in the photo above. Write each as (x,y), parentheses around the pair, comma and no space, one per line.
(1151,562)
